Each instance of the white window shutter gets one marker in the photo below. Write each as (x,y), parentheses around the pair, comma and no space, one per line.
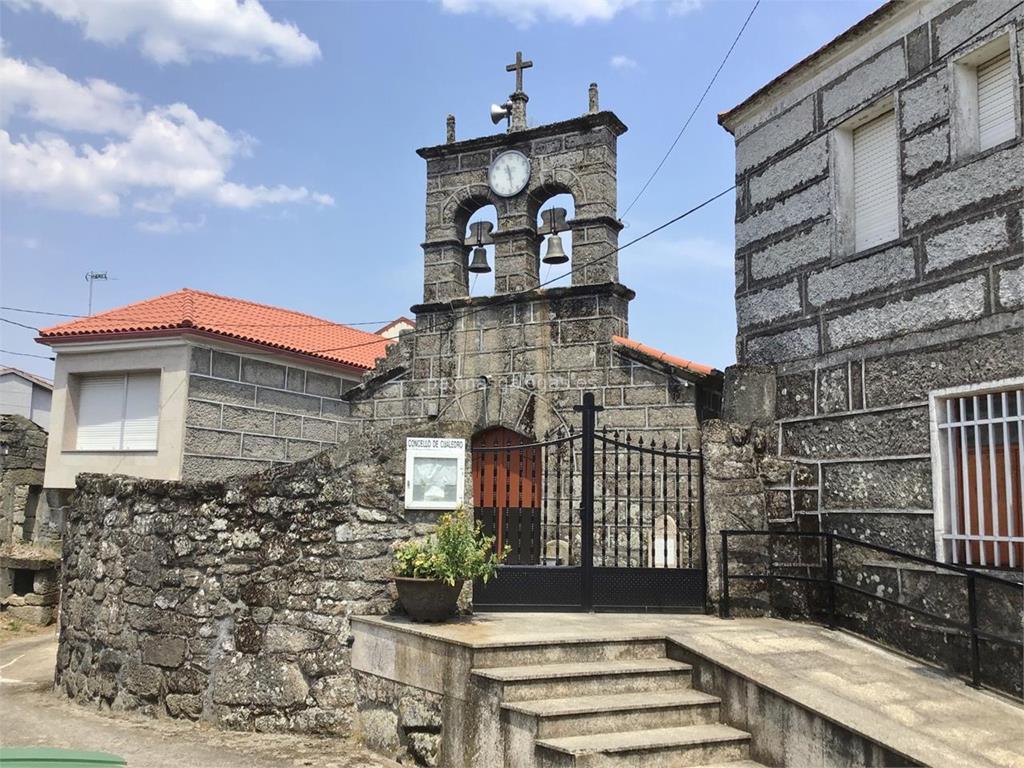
(141,412)
(995,102)
(100,405)
(875,182)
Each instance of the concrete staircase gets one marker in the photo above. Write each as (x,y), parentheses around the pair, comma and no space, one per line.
(604,705)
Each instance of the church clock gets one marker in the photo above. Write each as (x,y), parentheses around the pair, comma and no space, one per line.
(509,173)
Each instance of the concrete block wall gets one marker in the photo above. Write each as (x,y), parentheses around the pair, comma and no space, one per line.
(245,414)
(859,340)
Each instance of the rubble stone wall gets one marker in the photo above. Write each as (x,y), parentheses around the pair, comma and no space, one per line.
(23,444)
(230,601)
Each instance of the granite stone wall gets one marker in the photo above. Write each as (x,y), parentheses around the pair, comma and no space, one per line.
(247,414)
(230,601)
(859,340)
(23,451)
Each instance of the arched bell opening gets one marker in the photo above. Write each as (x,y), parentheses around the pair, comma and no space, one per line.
(553,218)
(479,228)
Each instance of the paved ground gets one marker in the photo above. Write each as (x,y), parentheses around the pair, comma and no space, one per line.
(34,716)
(909,706)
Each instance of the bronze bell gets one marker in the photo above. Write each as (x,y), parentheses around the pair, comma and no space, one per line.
(555,253)
(479,264)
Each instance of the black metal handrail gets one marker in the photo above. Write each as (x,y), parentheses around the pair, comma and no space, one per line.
(974,632)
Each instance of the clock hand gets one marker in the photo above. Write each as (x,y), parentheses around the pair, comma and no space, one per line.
(508,172)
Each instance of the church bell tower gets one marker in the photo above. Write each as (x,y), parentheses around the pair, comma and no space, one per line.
(518,172)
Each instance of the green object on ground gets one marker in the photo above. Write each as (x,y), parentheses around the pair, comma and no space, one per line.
(48,757)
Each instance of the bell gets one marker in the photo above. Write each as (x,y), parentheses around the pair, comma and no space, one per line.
(555,253)
(479,263)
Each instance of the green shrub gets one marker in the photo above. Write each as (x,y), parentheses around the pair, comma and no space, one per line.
(457,551)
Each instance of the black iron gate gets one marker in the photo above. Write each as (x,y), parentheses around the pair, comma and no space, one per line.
(594,520)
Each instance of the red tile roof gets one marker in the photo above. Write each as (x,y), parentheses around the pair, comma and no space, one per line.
(191,311)
(664,357)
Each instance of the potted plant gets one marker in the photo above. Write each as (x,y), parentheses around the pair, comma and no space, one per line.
(429,574)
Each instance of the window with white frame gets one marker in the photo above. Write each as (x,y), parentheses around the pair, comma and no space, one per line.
(118,412)
(979,464)
(875,182)
(985,106)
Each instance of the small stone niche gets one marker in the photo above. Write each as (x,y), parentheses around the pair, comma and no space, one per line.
(29,586)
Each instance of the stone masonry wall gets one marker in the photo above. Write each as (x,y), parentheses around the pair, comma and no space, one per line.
(230,601)
(858,341)
(22,461)
(246,414)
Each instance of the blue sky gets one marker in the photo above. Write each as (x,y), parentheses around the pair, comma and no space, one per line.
(267,151)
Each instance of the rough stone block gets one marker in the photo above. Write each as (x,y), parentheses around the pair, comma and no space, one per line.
(199,360)
(808,204)
(322,385)
(904,484)
(778,347)
(886,269)
(226,366)
(924,102)
(768,306)
(952,303)
(212,442)
(926,151)
(302,449)
(163,650)
(803,165)
(202,388)
(263,373)
(256,681)
(216,468)
(289,402)
(897,433)
(203,414)
(320,429)
(776,135)
(1011,287)
(963,21)
(834,389)
(287,426)
(260,447)
(335,409)
(863,83)
(997,174)
(248,420)
(296,380)
(805,247)
(965,241)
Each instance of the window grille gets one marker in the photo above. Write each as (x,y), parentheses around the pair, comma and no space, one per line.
(980,446)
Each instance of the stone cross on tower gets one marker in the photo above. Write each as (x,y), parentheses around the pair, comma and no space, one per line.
(517,118)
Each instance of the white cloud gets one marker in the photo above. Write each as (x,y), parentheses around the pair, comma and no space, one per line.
(684,7)
(620,61)
(154,157)
(176,31)
(170,225)
(527,12)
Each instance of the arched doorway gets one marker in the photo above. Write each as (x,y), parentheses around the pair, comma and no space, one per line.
(507,488)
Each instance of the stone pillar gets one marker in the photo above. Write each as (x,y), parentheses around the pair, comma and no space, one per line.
(594,242)
(445,270)
(517,119)
(516,256)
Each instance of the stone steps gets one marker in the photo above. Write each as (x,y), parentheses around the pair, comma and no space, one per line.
(690,745)
(605,705)
(551,681)
(579,716)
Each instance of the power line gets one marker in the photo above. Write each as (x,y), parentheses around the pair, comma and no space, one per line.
(512,296)
(693,112)
(25,354)
(20,325)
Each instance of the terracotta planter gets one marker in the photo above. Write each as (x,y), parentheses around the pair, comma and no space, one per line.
(427,599)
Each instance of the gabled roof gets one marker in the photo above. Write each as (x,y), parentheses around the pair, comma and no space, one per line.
(402,320)
(657,355)
(191,311)
(44,383)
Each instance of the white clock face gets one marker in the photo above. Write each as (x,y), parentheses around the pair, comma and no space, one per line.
(509,173)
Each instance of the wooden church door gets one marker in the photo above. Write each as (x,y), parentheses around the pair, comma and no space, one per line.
(507,488)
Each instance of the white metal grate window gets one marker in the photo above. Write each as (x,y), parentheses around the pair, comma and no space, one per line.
(995,101)
(875,182)
(982,463)
(118,412)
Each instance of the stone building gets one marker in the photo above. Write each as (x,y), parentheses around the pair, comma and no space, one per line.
(192,385)
(522,358)
(879,294)
(878,273)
